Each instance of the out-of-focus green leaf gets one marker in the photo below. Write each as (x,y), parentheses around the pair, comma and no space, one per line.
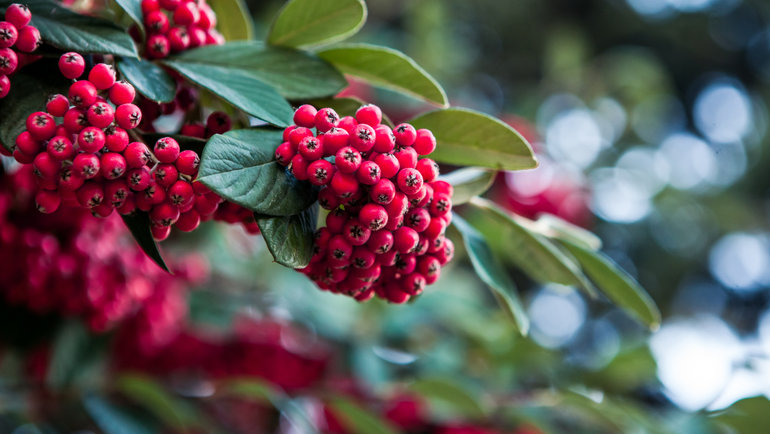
(359,420)
(234,16)
(492,273)
(290,238)
(555,227)
(133,9)
(139,225)
(150,395)
(619,287)
(747,416)
(307,23)
(469,182)
(386,67)
(113,419)
(462,401)
(469,138)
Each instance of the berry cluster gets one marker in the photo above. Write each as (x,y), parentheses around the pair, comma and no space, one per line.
(74,265)
(15,32)
(177,25)
(88,158)
(385,234)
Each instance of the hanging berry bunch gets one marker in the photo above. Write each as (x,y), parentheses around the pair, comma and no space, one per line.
(385,233)
(177,25)
(15,33)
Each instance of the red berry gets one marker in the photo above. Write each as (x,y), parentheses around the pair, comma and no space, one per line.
(409,181)
(368,173)
(344,184)
(29,39)
(57,105)
(347,123)
(218,123)
(208,19)
(178,38)
(304,116)
(413,283)
(72,65)
(22,158)
(383,192)
(165,174)
(188,221)
(100,114)
(137,154)
(116,191)
(82,93)
(320,172)
(328,199)
(41,125)
(284,154)
(47,201)
(61,148)
(417,219)
(116,138)
(91,139)
(405,135)
(75,120)
(373,216)
(334,139)
(206,205)
(128,206)
(113,165)
(18,14)
(180,193)
(69,180)
(187,163)
(164,214)
(90,194)
(122,92)
(385,141)
(155,193)
(160,233)
(339,249)
(362,257)
(149,6)
(441,205)
(195,129)
(5,85)
(102,76)
(186,14)
(297,134)
(8,61)
(428,169)
(166,150)
(86,165)
(128,116)
(369,114)
(380,241)
(197,36)
(407,158)
(156,22)
(425,142)
(139,178)
(158,47)
(363,137)
(45,166)
(8,34)
(335,220)
(299,167)
(347,160)
(389,165)
(311,148)
(326,119)
(398,206)
(405,239)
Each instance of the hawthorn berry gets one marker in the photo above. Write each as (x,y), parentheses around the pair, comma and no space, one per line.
(122,92)
(137,154)
(91,139)
(128,116)
(8,34)
(18,14)
(102,76)
(29,39)
(100,114)
(326,119)
(166,150)
(41,125)
(57,105)
(320,172)
(5,85)
(82,93)
(369,114)
(113,165)
(187,163)
(304,116)
(8,61)
(60,148)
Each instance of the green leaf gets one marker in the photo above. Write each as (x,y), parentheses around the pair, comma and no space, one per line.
(240,166)
(294,74)
(491,271)
(133,9)
(290,239)
(555,227)
(252,388)
(150,395)
(149,79)
(76,357)
(469,182)
(534,254)
(469,138)
(747,416)
(462,401)
(386,67)
(31,87)
(139,225)
(618,285)
(359,420)
(113,419)
(236,19)
(70,31)
(306,23)
(240,88)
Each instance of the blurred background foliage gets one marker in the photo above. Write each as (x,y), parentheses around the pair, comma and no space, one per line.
(650,121)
